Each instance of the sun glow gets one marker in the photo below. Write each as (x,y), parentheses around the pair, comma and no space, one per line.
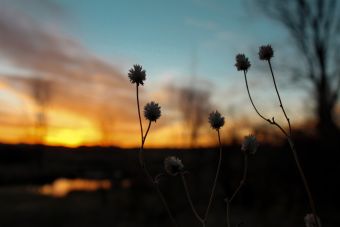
(73,128)
(69,129)
(70,137)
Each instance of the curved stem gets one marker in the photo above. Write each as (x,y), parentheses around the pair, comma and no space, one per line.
(187,193)
(251,100)
(304,180)
(161,196)
(244,177)
(143,166)
(139,117)
(273,122)
(146,134)
(140,154)
(165,204)
(228,213)
(291,144)
(242,182)
(216,177)
(278,95)
(141,158)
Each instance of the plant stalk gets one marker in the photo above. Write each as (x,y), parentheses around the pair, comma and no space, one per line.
(216,177)
(187,193)
(142,163)
(291,144)
(242,182)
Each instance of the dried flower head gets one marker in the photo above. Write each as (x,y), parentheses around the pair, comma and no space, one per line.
(250,144)
(216,120)
(242,62)
(266,52)
(137,75)
(152,111)
(310,220)
(173,165)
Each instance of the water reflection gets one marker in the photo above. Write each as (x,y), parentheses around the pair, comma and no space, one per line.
(62,187)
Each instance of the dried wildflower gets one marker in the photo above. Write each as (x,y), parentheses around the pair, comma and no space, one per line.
(216,120)
(310,220)
(250,144)
(266,52)
(173,165)
(137,75)
(242,62)
(152,111)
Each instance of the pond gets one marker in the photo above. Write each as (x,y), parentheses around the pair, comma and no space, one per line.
(62,187)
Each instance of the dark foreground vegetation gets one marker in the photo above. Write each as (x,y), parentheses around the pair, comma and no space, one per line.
(272,196)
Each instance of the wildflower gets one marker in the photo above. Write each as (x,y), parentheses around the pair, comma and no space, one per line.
(152,111)
(242,62)
(266,52)
(310,220)
(137,75)
(216,120)
(250,144)
(173,165)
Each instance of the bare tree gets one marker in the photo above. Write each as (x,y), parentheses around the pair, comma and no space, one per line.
(314,26)
(195,106)
(193,102)
(41,93)
(105,125)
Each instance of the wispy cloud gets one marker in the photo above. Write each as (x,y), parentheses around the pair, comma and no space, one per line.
(80,82)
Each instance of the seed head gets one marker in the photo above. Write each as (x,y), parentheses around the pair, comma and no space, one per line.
(266,52)
(310,221)
(137,75)
(242,62)
(249,145)
(173,165)
(216,120)
(152,111)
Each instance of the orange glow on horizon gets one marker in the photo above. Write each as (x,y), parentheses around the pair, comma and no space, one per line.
(73,129)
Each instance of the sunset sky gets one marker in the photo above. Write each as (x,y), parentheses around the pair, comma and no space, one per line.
(65,63)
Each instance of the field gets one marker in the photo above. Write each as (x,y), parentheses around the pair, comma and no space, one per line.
(273,194)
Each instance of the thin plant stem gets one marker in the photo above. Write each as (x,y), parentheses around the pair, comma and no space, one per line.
(187,193)
(305,182)
(296,158)
(142,163)
(244,177)
(146,133)
(242,182)
(272,121)
(139,117)
(228,213)
(141,130)
(216,177)
(292,147)
(204,219)
(278,95)
(251,100)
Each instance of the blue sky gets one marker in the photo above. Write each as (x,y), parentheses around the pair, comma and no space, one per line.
(173,40)
(167,35)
